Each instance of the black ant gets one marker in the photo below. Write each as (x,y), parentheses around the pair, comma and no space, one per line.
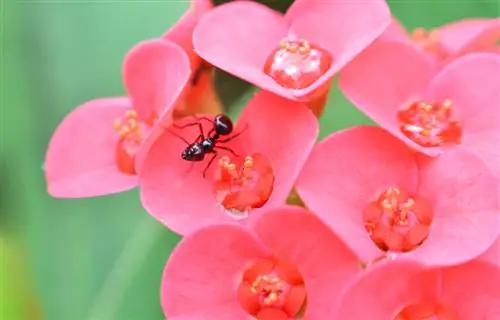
(196,151)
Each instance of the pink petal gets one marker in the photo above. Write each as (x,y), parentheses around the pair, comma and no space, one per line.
(80,160)
(395,32)
(168,190)
(382,291)
(181,33)
(471,35)
(335,26)
(229,38)
(325,263)
(465,203)
(202,274)
(485,145)
(383,79)
(285,132)
(155,73)
(481,300)
(471,82)
(347,171)
(492,255)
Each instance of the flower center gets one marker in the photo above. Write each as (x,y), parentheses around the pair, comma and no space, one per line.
(430,125)
(297,64)
(429,41)
(272,284)
(243,184)
(131,134)
(397,221)
(426,311)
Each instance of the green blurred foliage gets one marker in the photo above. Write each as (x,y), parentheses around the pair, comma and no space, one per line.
(102,258)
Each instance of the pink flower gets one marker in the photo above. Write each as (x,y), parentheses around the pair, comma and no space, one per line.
(200,96)
(398,88)
(291,55)
(99,146)
(227,272)
(450,41)
(406,290)
(492,255)
(379,196)
(271,143)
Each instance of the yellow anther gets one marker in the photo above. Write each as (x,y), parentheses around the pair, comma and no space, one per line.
(409,203)
(131,114)
(248,163)
(117,124)
(447,104)
(231,167)
(283,44)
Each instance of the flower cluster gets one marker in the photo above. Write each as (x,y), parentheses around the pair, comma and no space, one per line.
(395,221)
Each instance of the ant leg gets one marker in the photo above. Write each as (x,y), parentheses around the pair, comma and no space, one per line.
(234,136)
(179,136)
(228,149)
(200,127)
(209,163)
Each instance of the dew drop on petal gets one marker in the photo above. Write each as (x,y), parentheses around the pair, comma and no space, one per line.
(297,64)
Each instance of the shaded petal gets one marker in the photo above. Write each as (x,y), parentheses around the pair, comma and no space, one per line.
(383,79)
(471,35)
(335,26)
(464,198)
(181,33)
(482,296)
(169,186)
(229,38)
(381,291)
(325,263)
(201,276)
(395,32)
(155,73)
(347,171)
(80,160)
(471,82)
(492,255)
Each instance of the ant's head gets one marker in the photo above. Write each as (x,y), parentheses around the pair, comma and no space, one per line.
(223,125)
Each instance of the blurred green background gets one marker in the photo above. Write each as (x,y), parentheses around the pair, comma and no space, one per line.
(101,258)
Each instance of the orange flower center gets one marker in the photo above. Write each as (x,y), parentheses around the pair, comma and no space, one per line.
(426,311)
(430,42)
(272,289)
(131,133)
(430,125)
(397,221)
(297,64)
(243,184)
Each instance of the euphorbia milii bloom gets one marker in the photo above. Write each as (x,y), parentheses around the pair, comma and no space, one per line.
(294,54)
(227,272)
(98,147)
(256,168)
(406,290)
(450,41)
(200,95)
(381,197)
(458,107)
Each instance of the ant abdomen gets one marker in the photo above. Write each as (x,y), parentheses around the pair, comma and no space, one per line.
(223,125)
